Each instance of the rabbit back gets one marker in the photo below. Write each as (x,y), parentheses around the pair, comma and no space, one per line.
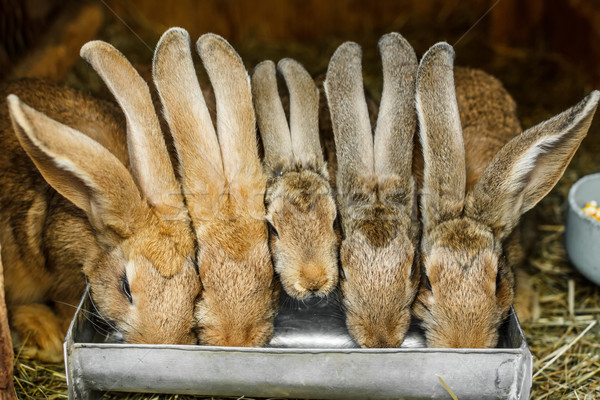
(38,222)
(42,261)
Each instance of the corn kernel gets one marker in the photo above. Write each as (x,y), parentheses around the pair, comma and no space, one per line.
(591,209)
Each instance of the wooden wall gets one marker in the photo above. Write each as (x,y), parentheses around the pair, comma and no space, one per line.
(568,28)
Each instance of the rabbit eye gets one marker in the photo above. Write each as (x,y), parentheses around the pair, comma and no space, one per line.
(272,230)
(126,289)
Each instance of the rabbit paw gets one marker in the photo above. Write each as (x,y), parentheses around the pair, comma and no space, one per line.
(37,333)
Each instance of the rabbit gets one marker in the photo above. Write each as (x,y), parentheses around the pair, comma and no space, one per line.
(479,174)
(376,192)
(72,212)
(224,188)
(301,209)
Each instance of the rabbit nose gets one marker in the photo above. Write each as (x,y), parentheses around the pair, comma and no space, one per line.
(380,339)
(313,277)
(382,342)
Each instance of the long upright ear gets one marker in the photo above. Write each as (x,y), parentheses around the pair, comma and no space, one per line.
(440,132)
(397,118)
(79,168)
(148,153)
(200,163)
(349,115)
(235,118)
(528,167)
(304,113)
(270,117)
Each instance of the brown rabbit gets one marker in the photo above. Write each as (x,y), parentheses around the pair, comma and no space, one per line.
(376,192)
(224,188)
(474,191)
(300,205)
(127,233)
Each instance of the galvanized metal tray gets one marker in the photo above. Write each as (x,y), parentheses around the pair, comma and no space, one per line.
(311,356)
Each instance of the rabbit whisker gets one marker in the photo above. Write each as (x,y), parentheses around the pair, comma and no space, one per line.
(100,328)
(86,314)
(99,315)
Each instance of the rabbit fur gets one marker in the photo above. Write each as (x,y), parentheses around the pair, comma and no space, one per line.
(479,174)
(300,204)
(73,212)
(224,188)
(376,192)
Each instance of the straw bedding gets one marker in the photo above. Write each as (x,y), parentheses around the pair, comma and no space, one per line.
(564,334)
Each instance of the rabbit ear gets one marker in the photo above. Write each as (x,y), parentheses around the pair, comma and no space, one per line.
(271,118)
(349,114)
(397,118)
(304,113)
(440,132)
(200,163)
(528,167)
(235,117)
(79,168)
(150,161)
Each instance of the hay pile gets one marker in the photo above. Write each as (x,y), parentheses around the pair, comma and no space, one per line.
(564,335)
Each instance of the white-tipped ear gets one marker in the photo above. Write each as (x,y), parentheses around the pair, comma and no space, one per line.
(270,117)
(444,174)
(304,113)
(200,163)
(78,168)
(397,119)
(349,115)
(235,114)
(529,166)
(150,162)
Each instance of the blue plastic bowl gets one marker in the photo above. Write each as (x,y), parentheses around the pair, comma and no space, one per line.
(582,232)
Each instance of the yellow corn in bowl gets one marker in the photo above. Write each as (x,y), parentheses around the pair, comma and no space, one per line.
(582,229)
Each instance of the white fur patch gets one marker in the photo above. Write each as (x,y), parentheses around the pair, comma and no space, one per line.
(527,163)
(130,274)
(422,128)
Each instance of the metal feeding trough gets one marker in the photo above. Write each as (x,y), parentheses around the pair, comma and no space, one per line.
(310,356)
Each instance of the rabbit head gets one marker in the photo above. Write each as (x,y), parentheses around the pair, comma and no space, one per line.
(376,192)
(224,188)
(300,205)
(468,285)
(141,267)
